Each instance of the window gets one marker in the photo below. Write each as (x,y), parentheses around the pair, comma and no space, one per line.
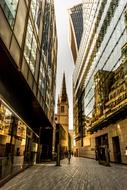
(45,39)
(30,47)
(62,109)
(126,17)
(42,77)
(36,11)
(9,7)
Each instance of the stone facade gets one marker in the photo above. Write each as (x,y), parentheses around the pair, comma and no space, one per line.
(114,130)
(62,116)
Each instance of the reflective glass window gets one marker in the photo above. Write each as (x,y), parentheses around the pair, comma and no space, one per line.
(42,81)
(9,8)
(18,143)
(36,11)
(108,57)
(30,47)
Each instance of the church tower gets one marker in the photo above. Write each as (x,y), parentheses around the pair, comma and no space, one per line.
(62,120)
(63,107)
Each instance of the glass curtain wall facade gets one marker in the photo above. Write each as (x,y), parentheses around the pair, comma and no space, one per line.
(9,7)
(76,28)
(102,45)
(35,43)
(76,14)
(28,46)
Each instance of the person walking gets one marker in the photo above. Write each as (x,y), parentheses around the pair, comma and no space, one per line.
(69,157)
(96,153)
(126,151)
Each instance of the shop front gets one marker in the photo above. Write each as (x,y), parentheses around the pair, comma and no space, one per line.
(18,143)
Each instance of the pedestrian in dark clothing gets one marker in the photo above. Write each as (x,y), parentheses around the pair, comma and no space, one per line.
(69,157)
(126,152)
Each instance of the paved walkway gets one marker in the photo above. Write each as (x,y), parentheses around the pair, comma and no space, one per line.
(81,174)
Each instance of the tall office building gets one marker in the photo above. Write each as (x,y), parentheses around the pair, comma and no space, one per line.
(76,28)
(28,57)
(100,80)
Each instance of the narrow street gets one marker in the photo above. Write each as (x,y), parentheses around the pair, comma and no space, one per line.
(81,174)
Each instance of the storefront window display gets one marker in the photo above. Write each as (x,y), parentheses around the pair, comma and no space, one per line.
(14,142)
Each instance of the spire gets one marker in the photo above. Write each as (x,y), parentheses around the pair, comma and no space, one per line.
(58,99)
(64,93)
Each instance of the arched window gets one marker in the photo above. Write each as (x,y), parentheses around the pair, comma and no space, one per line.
(62,109)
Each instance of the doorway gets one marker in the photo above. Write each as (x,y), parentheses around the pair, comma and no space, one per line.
(102,150)
(116,149)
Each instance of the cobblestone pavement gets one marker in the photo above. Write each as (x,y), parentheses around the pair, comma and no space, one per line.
(80,174)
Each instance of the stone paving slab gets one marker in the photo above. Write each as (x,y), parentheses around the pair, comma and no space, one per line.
(80,174)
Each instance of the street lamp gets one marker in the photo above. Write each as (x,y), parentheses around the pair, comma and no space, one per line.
(58,146)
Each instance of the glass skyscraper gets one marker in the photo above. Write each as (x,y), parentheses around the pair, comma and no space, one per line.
(28,62)
(101,53)
(76,28)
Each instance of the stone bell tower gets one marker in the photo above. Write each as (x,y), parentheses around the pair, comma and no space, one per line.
(62,106)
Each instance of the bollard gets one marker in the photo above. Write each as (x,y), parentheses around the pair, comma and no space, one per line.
(58,155)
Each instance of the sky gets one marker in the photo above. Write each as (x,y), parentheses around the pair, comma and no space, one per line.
(64,59)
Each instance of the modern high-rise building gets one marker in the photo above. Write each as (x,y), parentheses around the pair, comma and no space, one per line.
(100,81)
(28,61)
(76,28)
